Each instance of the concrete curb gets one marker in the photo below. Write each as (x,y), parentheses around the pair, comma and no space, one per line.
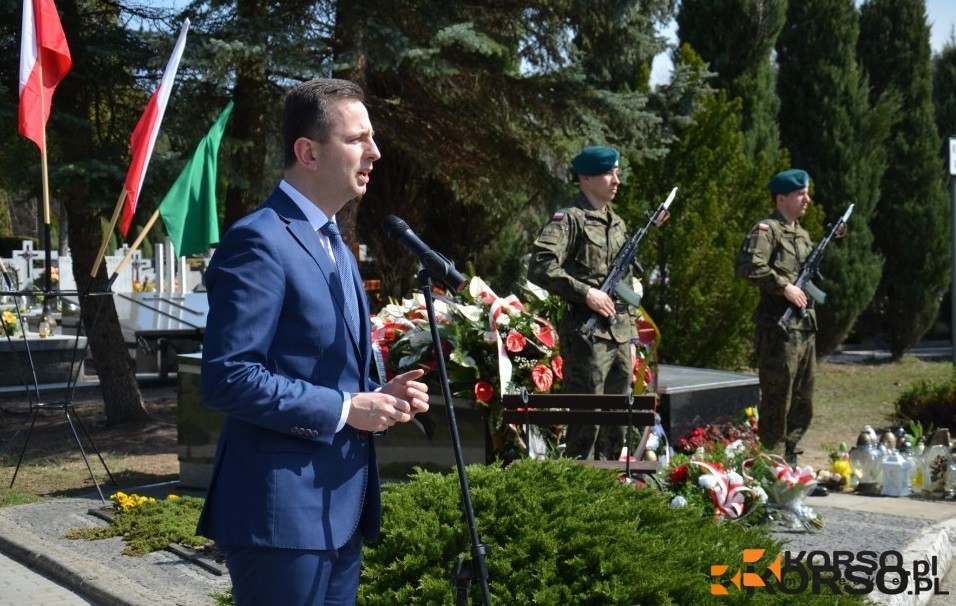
(936,541)
(83,575)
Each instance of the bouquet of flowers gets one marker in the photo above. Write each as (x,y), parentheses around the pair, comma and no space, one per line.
(10,324)
(718,436)
(144,286)
(716,488)
(786,487)
(708,470)
(492,346)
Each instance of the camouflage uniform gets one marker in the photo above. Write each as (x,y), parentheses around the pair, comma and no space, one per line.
(572,254)
(771,258)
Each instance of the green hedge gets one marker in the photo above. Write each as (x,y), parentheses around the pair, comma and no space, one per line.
(931,403)
(561,534)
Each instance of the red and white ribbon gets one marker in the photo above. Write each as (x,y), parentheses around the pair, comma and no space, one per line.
(498,307)
(727,491)
(790,476)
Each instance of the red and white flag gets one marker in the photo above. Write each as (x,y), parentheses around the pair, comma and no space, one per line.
(44,62)
(143,139)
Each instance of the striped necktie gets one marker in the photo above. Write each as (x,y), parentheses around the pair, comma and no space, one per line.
(343,268)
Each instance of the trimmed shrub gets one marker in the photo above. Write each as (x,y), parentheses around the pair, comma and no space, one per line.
(931,403)
(560,533)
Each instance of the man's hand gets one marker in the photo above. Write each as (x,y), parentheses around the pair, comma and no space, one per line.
(795,295)
(600,302)
(397,402)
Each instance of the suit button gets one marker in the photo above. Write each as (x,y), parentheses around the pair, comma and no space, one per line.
(313,433)
(296,431)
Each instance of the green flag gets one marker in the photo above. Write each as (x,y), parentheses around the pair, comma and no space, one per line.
(189,209)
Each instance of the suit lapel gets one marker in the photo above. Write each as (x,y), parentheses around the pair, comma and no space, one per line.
(301,231)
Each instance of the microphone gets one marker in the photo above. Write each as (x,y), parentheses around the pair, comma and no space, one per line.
(436,264)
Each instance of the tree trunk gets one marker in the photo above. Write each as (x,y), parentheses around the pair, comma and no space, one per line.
(114,366)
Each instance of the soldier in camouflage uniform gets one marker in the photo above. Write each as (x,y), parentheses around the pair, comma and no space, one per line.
(570,258)
(771,258)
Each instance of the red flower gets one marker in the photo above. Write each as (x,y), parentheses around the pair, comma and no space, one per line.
(545,335)
(557,365)
(484,391)
(419,313)
(515,342)
(678,475)
(388,332)
(542,377)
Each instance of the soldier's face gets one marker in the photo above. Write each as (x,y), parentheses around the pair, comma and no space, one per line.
(794,204)
(601,189)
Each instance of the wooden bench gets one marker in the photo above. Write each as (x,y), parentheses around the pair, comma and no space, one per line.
(630,411)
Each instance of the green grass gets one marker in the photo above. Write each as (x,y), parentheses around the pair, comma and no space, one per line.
(851,395)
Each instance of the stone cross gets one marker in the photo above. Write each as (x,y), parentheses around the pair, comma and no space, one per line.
(27,254)
(138,263)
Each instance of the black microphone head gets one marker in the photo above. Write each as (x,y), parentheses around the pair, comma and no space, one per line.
(393,226)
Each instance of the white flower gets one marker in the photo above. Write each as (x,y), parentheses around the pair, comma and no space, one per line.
(476,287)
(441,307)
(733,449)
(537,291)
(707,481)
(761,493)
(653,442)
(472,313)
(679,501)
(394,311)
(734,478)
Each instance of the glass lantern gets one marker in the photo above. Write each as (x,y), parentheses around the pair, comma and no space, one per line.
(896,471)
(867,463)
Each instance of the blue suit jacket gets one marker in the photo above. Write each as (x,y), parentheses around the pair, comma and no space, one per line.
(277,356)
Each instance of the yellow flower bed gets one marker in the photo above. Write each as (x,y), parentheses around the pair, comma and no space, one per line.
(125,502)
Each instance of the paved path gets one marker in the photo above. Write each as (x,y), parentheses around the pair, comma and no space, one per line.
(20,586)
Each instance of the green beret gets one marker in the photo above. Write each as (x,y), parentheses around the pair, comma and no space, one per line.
(595,160)
(789,180)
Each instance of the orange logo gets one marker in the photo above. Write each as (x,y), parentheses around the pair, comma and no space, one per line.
(744,577)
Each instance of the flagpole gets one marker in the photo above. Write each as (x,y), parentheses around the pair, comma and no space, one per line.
(45,178)
(109,233)
(132,249)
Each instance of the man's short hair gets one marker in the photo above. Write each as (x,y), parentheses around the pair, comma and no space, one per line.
(305,112)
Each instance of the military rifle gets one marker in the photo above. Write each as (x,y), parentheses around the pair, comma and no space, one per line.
(811,269)
(613,283)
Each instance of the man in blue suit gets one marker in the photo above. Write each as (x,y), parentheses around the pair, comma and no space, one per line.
(295,487)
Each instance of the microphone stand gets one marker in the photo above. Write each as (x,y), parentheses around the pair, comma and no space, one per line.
(466,571)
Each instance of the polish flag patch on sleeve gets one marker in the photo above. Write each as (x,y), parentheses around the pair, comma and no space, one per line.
(763,227)
(557,216)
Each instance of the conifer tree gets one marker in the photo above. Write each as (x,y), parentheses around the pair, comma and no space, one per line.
(830,130)
(690,290)
(736,38)
(944,94)
(911,221)
(944,104)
